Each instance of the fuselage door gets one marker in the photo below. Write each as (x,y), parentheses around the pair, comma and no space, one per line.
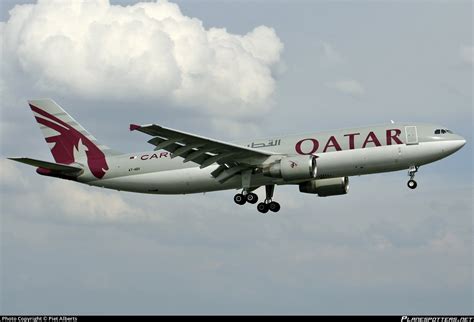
(411,135)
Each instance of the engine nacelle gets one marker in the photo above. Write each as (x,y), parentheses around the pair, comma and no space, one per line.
(298,167)
(326,187)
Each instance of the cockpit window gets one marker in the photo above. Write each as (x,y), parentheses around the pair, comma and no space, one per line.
(442,131)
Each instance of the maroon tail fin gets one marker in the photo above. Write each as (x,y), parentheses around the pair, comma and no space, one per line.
(68,140)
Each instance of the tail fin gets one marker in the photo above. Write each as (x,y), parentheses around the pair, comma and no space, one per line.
(68,140)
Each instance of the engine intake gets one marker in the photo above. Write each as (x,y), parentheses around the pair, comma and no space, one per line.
(299,167)
(326,187)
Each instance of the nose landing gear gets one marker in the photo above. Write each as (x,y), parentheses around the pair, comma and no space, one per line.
(411,173)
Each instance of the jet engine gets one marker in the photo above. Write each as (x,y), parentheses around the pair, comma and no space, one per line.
(298,167)
(326,187)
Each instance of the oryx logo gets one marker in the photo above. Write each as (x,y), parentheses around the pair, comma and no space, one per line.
(293,164)
(68,141)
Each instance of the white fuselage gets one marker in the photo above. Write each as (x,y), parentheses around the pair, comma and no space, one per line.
(341,153)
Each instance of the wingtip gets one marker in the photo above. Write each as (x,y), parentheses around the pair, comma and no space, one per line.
(134,127)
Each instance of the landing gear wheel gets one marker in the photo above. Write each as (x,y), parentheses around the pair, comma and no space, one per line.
(274,206)
(240,199)
(262,207)
(411,173)
(412,184)
(252,198)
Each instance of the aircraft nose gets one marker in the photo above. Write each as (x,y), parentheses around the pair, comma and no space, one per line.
(452,145)
(457,144)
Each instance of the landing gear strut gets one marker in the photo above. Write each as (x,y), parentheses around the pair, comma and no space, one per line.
(268,204)
(411,173)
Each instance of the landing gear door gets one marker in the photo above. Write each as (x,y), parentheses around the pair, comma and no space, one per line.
(411,135)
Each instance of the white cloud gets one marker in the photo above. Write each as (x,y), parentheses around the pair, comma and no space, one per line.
(349,87)
(467,54)
(147,50)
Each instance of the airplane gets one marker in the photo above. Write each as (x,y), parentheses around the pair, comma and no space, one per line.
(183,163)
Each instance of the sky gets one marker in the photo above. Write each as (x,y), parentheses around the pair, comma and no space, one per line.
(234,70)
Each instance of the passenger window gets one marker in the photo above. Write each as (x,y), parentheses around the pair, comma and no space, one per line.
(437,131)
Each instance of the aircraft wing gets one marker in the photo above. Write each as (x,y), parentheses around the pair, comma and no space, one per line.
(204,151)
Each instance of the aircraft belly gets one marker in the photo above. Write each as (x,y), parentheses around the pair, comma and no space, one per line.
(182,181)
(425,152)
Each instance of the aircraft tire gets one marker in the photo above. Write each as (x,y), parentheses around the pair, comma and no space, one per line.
(262,207)
(274,206)
(240,199)
(412,184)
(252,198)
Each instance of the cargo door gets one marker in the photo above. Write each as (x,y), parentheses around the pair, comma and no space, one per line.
(411,135)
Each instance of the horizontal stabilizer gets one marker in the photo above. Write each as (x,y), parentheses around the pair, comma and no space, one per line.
(55,167)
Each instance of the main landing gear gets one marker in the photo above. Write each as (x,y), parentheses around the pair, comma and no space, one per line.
(263,207)
(411,173)
(242,198)
(268,204)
